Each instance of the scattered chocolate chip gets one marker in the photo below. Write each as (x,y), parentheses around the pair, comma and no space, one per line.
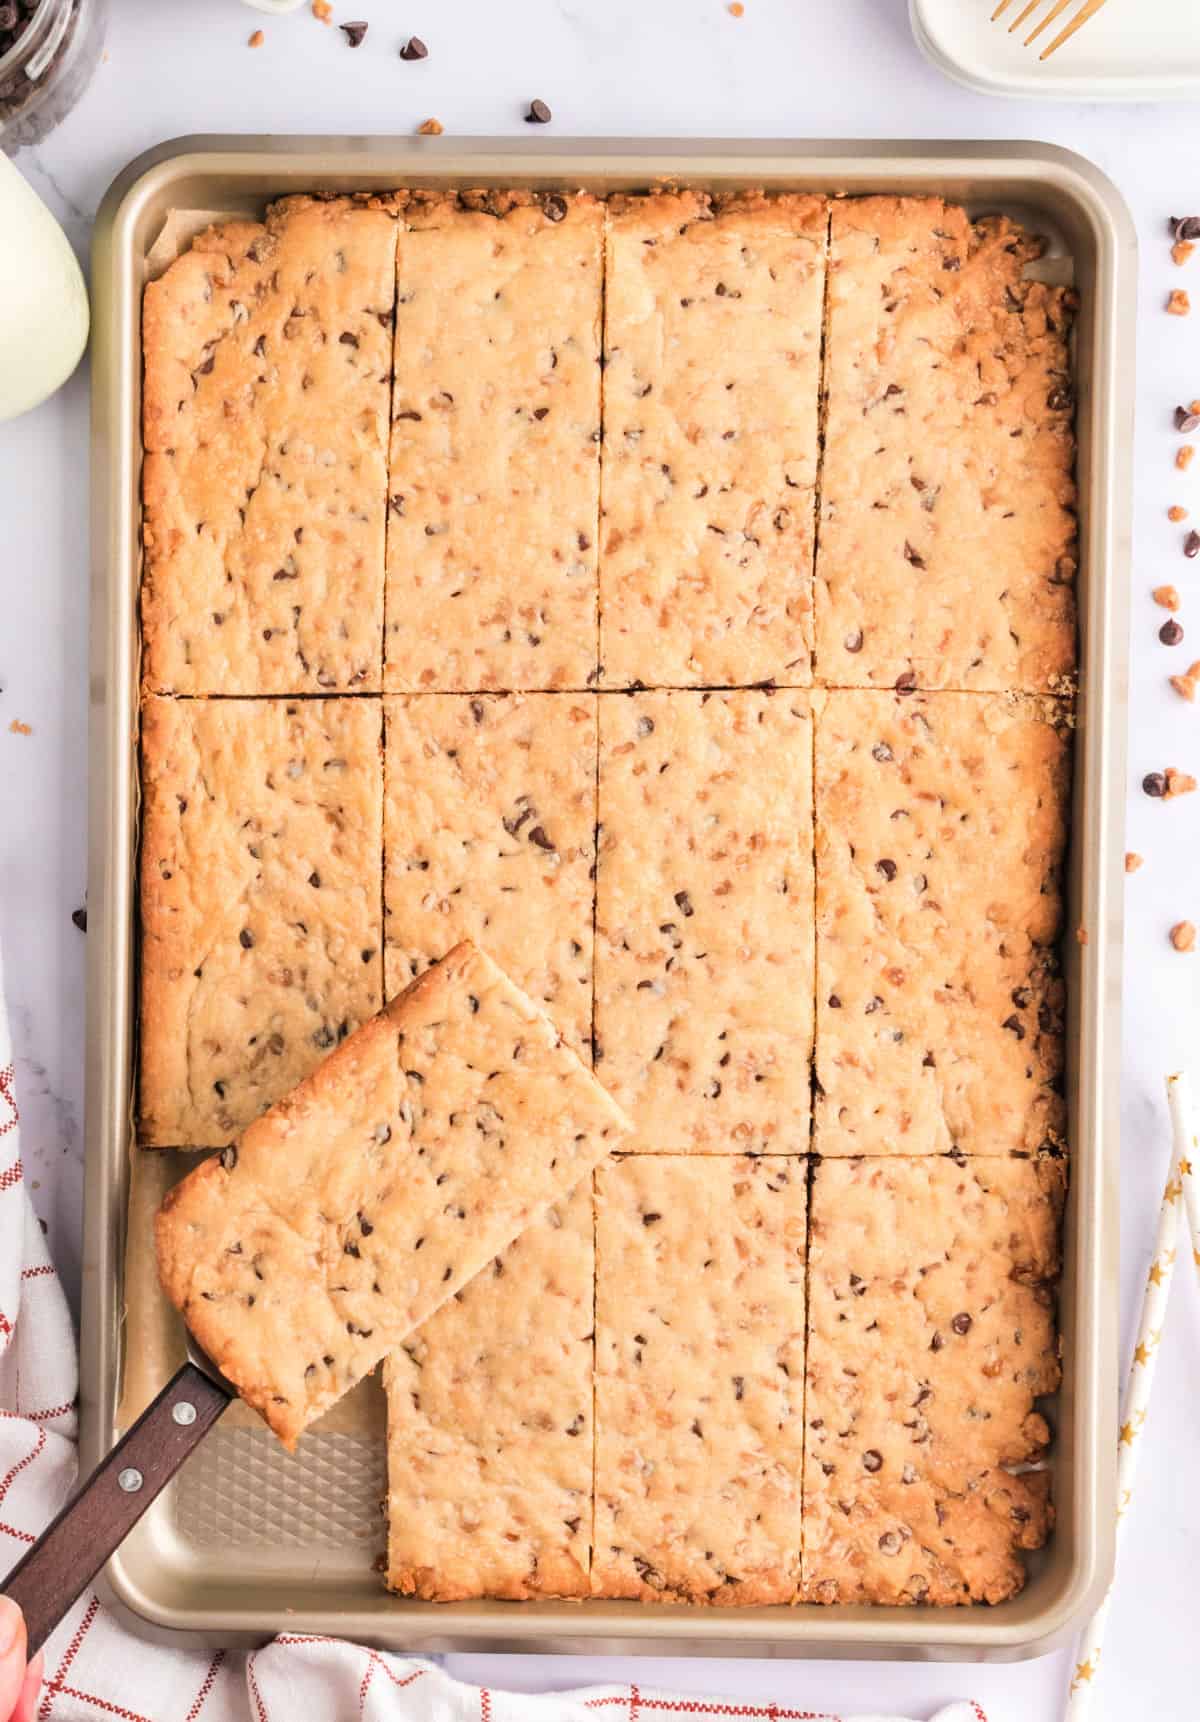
(79,916)
(1186,420)
(354,32)
(961,1323)
(414,49)
(1185,227)
(1170,633)
(539,114)
(1191,545)
(1154,784)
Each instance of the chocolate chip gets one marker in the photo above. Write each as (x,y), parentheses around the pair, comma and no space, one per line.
(645,726)
(1154,783)
(835,1002)
(1191,545)
(246,939)
(1185,227)
(229,1157)
(961,1323)
(79,916)
(1059,400)
(882,752)
(1021,997)
(854,642)
(651,1219)
(1014,1025)
(323,1037)
(555,209)
(414,49)
(539,114)
(365,1226)
(906,683)
(1170,633)
(889,1543)
(354,32)
(936,1343)
(314,880)
(739,1386)
(538,836)
(684,904)
(913,556)
(1186,421)
(872,1460)
(887,868)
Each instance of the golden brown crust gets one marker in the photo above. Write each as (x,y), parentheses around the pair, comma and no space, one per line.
(267,370)
(345,1216)
(490,1426)
(947,535)
(941,822)
(704,919)
(712,355)
(931,1336)
(699,1358)
(495,458)
(489,833)
(260,869)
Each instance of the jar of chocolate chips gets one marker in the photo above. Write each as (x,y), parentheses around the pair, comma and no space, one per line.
(48,52)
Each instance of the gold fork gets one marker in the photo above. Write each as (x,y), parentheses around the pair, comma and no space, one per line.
(1087,9)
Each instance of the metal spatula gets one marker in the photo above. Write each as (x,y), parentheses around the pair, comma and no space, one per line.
(1054,9)
(75,1545)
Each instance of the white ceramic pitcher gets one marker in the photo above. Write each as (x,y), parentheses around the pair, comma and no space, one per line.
(43,299)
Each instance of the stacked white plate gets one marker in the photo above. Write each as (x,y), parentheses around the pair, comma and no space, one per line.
(1130,51)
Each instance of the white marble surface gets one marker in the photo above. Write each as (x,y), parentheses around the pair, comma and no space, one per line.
(650,67)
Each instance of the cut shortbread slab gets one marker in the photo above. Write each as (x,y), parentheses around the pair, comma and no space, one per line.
(699,1392)
(268,366)
(712,375)
(352,1210)
(490,1426)
(931,1336)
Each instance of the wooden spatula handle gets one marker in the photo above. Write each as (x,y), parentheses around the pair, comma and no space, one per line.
(70,1552)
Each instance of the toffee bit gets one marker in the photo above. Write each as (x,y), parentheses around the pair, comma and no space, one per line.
(430,129)
(1185,685)
(1183,936)
(1178,783)
(1133,860)
(1181,251)
(1178,303)
(1185,456)
(1166,596)
(539,114)
(1176,514)
(322,11)
(256,39)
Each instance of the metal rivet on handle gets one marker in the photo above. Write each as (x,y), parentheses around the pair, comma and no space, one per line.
(184,1412)
(130,1480)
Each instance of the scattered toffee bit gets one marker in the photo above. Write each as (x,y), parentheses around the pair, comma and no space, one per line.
(322,10)
(1185,227)
(414,49)
(430,129)
(1185,456)
(256,39)
(1178,783)
(1154,784)
(16,727)
(1186,420)
(354,32)
(1181,251)
(1177,514)
(1191,545)
(539,114)
(1166,596)
(79,916)
(1133,860)
(736,9)
(1178,303)
(1171,632)
(1186,684)
(1183,936)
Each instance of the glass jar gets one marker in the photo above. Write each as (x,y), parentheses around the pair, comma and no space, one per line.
(47,56)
